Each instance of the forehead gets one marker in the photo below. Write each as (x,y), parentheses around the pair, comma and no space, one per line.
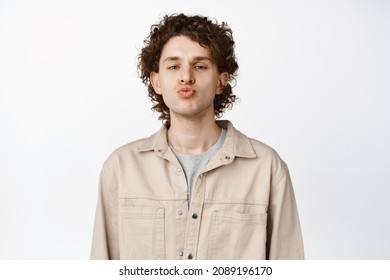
(183,47)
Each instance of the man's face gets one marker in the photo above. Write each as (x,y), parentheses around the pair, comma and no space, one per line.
(187,79)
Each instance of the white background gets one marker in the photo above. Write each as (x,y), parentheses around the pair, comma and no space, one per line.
(313,84)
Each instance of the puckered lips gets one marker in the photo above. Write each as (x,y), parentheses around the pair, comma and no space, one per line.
(186,91)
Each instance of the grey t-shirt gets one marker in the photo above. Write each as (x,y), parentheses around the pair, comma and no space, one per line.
(194,164)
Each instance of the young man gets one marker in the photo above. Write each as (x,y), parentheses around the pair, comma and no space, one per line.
(198,188)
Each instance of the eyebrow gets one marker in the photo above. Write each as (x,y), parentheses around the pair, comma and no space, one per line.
(196,58)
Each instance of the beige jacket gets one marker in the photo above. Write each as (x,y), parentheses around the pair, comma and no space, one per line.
(242,206)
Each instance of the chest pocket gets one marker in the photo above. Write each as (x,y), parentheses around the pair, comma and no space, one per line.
(237,236)
(142,232)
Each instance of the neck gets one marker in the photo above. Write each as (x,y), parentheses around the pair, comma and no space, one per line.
(193,136)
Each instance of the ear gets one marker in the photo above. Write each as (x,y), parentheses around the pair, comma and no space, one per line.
(223,80)
(155,82)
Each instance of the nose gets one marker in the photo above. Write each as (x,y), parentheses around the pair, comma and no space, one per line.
(186,77)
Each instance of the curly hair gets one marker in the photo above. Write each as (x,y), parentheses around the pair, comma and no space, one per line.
(217,38)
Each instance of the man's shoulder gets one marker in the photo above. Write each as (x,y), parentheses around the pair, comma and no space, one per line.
(262,149)
(249,144)
(134,147)
(267,157)
(263,153)
(130,146)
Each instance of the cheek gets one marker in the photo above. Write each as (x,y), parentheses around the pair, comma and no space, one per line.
(210,82)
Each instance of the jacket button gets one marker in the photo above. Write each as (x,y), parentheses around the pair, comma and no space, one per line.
(227,157)
(194,216)
(190,256)
(180,212)
(181,254)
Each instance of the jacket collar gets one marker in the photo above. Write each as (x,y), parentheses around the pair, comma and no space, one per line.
(235,145)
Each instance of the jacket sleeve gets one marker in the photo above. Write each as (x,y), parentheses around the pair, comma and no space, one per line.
(105,233)
(284,237)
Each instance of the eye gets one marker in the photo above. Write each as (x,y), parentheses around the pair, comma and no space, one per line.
(200,67)
(173,67)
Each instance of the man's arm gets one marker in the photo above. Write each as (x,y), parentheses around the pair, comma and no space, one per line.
(284,237)
(105,244)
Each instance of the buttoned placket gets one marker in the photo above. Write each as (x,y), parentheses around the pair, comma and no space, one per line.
(189,216)
(194,218)
(181,207)
(180,190)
